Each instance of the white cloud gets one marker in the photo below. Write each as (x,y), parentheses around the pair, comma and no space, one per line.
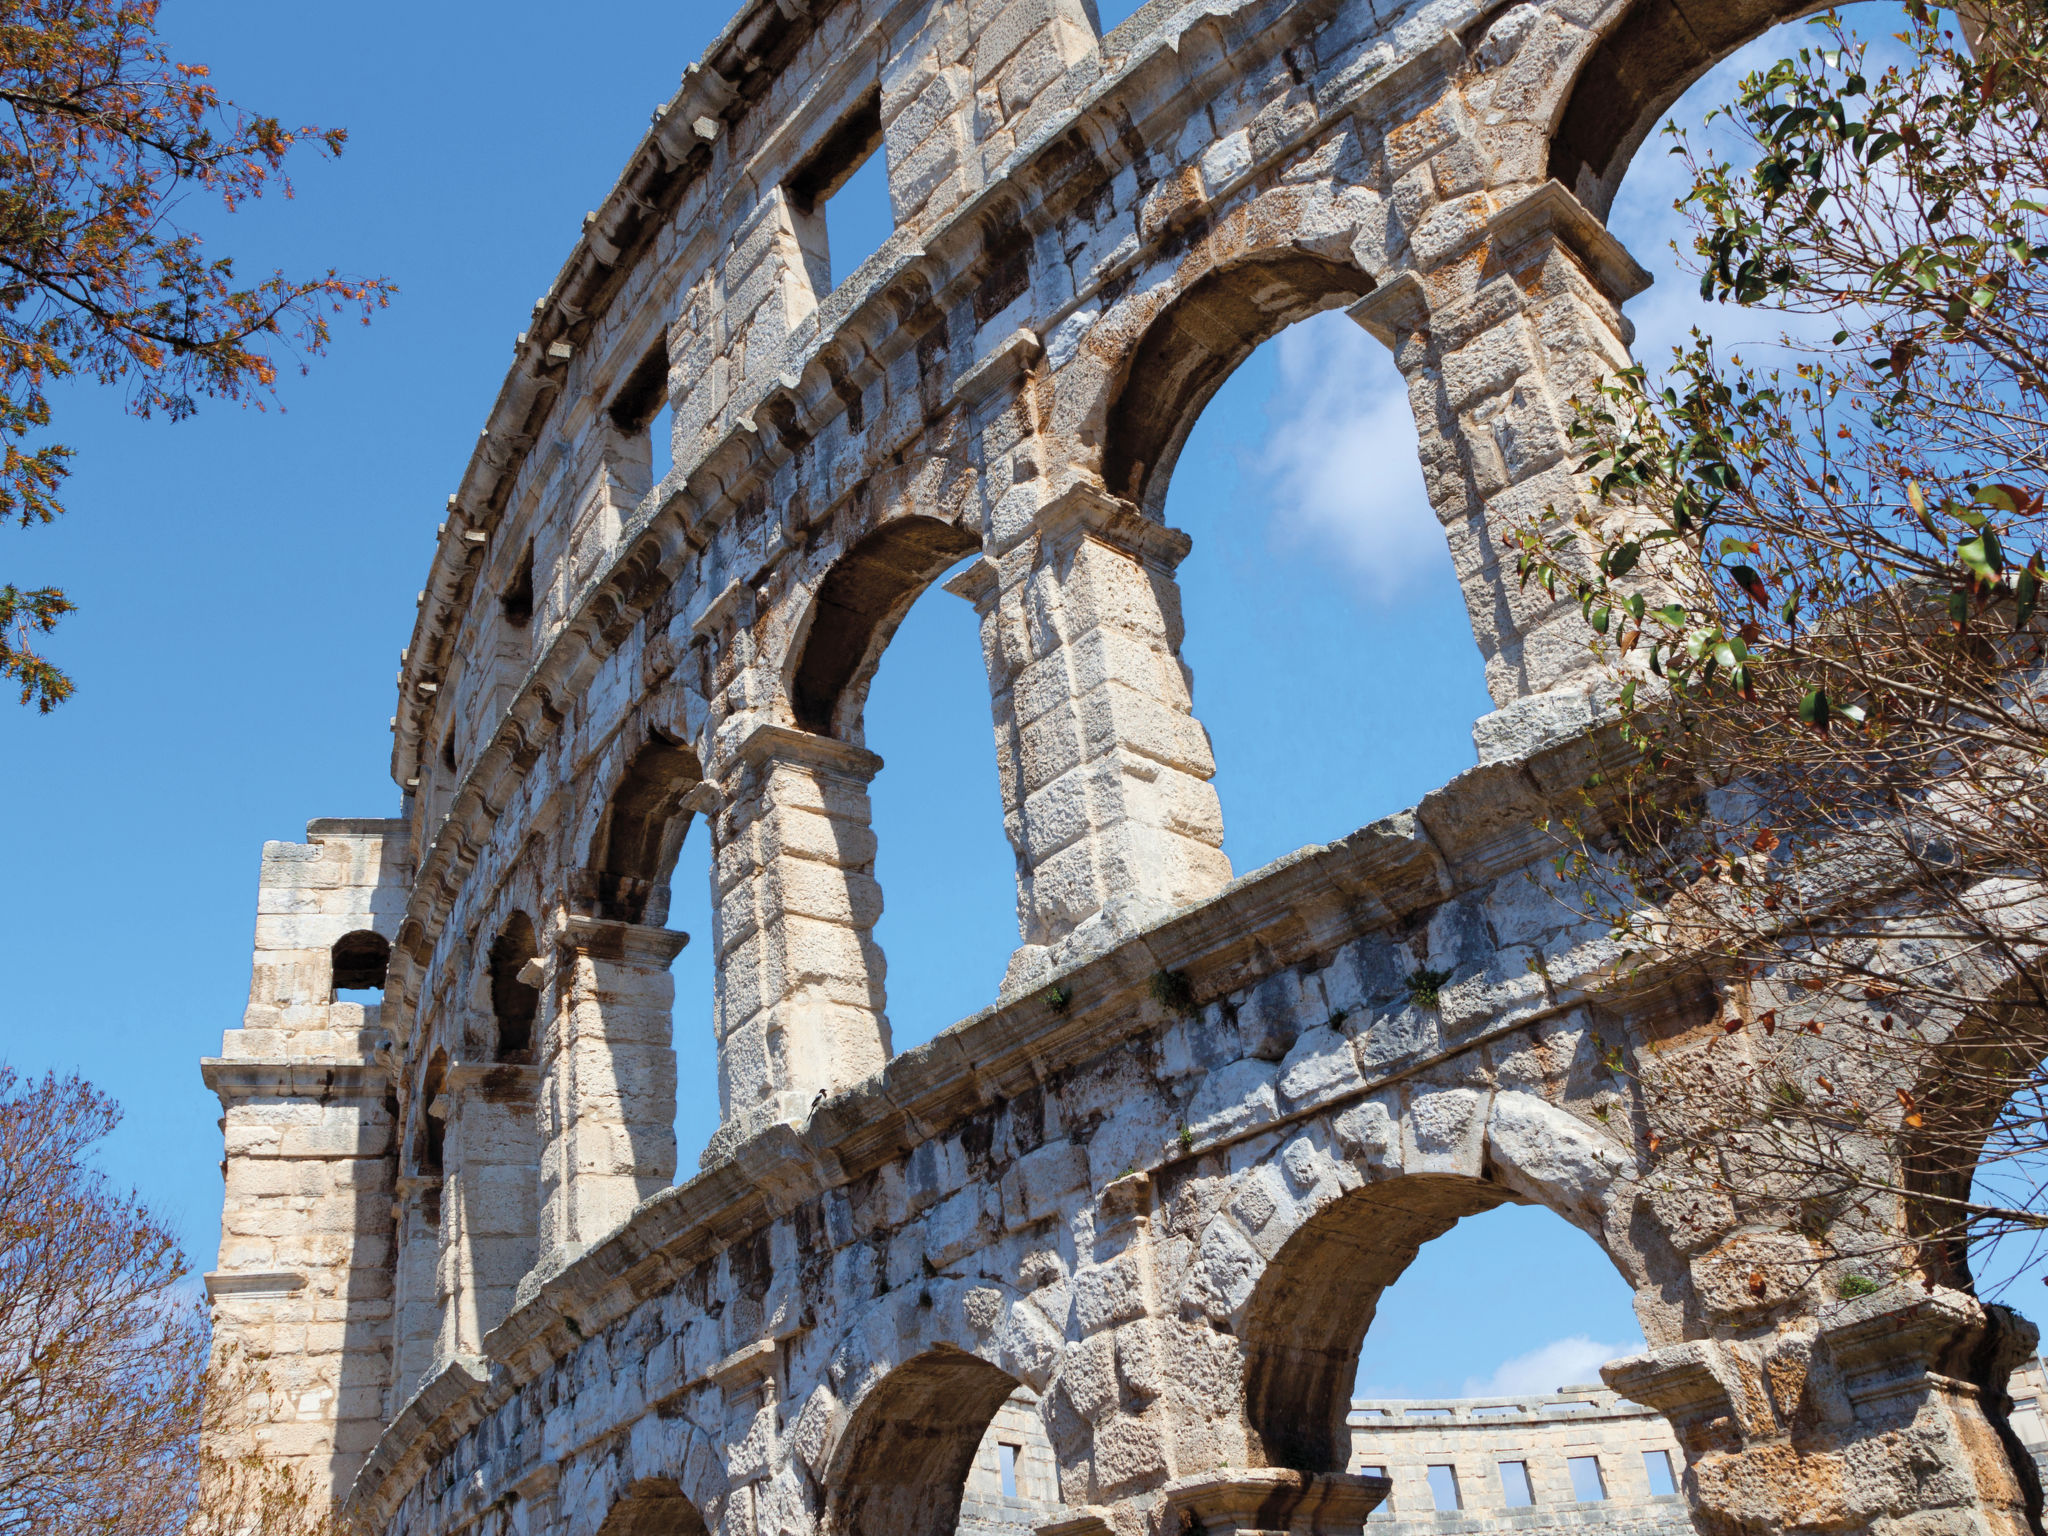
(1339,460)
(1571,1362)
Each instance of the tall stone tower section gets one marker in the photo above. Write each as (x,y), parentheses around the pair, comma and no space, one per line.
(301,1297)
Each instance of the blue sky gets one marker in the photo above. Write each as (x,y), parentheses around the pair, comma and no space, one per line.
(246,580)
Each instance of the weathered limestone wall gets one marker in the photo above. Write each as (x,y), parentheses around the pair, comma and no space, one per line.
(303,1290)
(1158,1185)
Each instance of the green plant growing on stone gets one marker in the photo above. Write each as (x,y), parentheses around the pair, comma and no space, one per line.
(1849,1287)
(1057,998)
(1425,987)
(1186,1138)
(1173,991)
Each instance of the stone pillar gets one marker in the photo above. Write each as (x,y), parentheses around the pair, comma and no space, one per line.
(1865,1420)
(417,1315)
(1273,1501)
(800,1009)
(489,1219)
(956,91)
(1495,342)
(608,1081)
(1105,769)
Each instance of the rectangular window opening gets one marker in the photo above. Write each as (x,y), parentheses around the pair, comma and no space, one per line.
(1515,1485)
(1443,1488)
(641,409)
(1657,1467)
(1007,1457)
(839,198)
(661,441)
(1588,1486)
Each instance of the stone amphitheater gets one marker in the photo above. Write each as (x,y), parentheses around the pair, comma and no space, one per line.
(1131,1221)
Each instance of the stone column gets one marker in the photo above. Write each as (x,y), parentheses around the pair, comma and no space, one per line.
(1105,769)
(608,1081)
(1867,1419)
(800,1009)
(489,1220)
(1496,341)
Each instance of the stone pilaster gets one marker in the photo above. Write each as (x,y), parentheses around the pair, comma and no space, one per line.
(800,980)
(1495,345)
(1105,770)
(608,1081)
(489,1216)
(1867,1422)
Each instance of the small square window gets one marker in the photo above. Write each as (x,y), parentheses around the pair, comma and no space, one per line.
(1657,1467)
(1588,1486)
(839,198)
(1443,1488)
(1514,1484)
(1006,1455)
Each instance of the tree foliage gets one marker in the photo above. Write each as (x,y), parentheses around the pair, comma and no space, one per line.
(1819,590)
(102,136)
(110,1422)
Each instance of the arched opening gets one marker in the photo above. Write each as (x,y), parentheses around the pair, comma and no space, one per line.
(1636,73)
(654,1506)
(1310,1316)
(430,1125)
(904,1459)
(636,844)
(361,960)
(1198,342)
(1440,1331)
(934,809)
(515,989)
(858,607)
(950,921)
(1333,660)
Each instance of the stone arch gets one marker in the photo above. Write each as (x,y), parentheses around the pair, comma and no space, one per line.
(634,848)
(360,961)
(515,1002)
(1195,343)
(1383,1178)
(903,1459)
(858,605)
(1643,61)
(653,1506)
(430,1132)
(1309,1316)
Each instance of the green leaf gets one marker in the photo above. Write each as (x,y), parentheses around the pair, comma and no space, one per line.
(1813,710)
(1601,617)
(2027,592)
(1980,557)
(1620,560)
